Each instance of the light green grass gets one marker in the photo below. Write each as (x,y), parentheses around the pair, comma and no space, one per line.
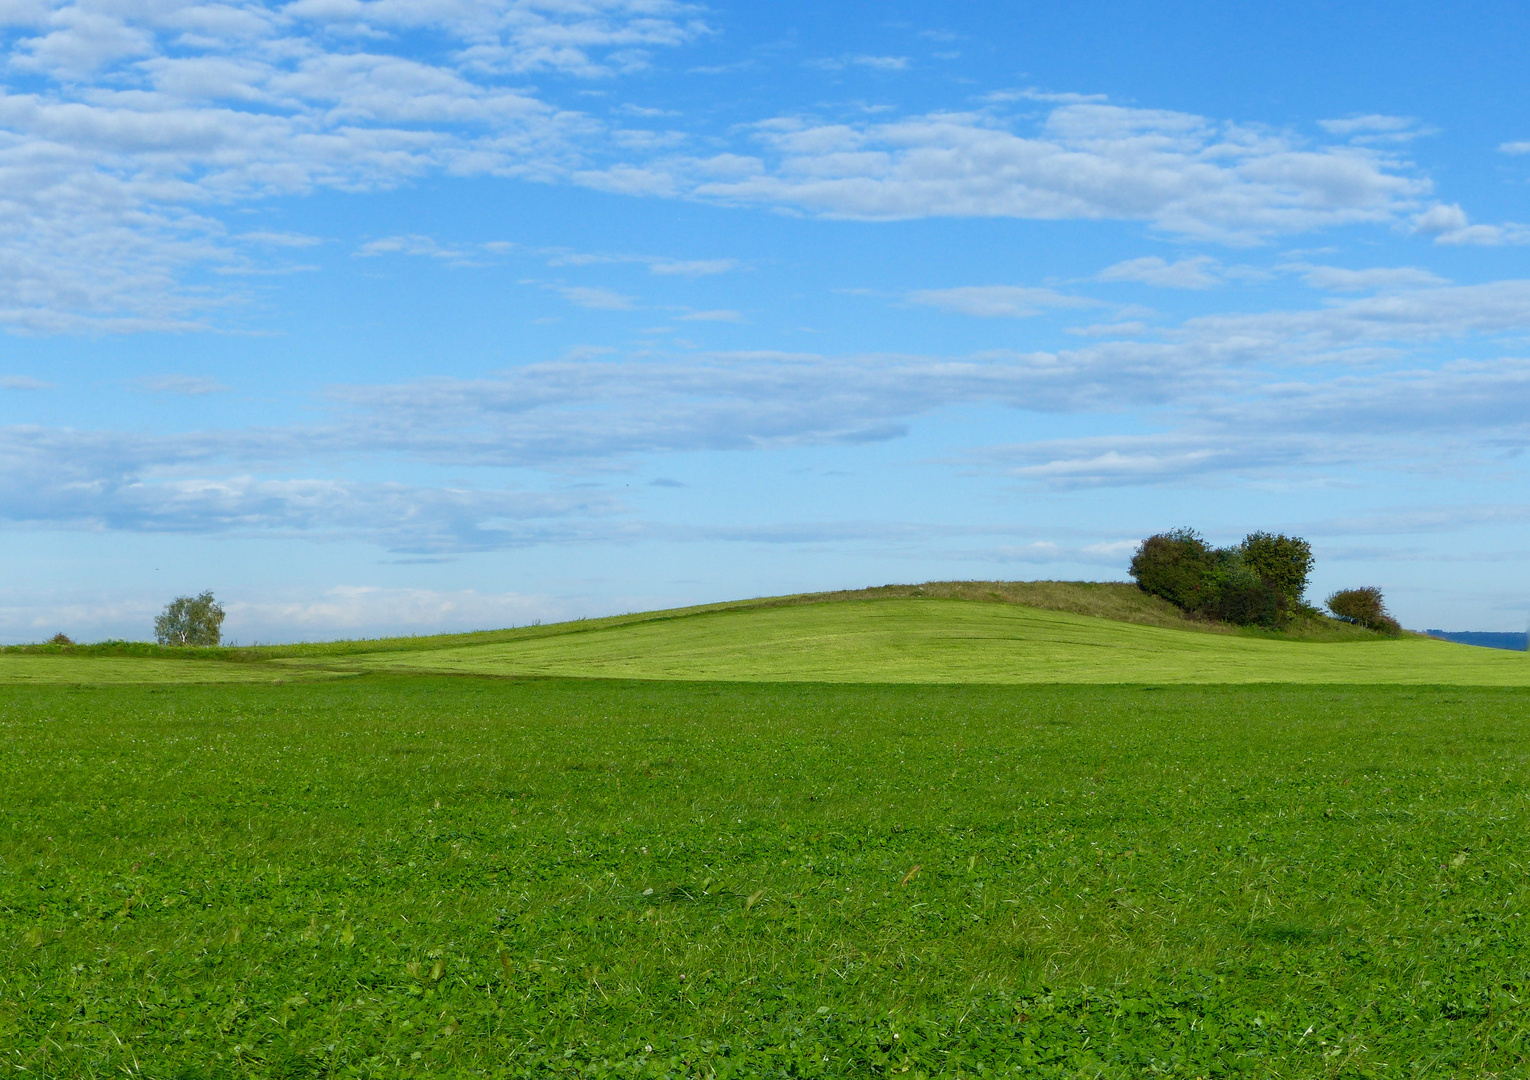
(22,670)
(944,641)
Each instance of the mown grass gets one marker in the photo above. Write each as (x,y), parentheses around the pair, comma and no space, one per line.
(948,641)
(483,877)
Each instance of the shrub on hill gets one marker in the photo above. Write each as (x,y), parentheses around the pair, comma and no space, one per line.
(1282,562)
(1259,582)
(1176,565)
(1365,607)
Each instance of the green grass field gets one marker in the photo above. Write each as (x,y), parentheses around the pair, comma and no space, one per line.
(322,868)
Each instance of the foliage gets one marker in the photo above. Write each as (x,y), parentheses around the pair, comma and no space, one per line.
(60,639)
(1282,562)
(1365,607)
(467,877)
(1176,565)
(1258,583)
(190,620)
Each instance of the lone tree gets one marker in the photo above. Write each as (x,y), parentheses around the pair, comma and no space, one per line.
(1366,607)
(190,620)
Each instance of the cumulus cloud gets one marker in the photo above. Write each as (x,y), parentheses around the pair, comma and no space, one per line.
(1448,224)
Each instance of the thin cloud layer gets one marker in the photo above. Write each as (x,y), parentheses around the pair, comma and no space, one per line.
(1183,174)
(1360,383)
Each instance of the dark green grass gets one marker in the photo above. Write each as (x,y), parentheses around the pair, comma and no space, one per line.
(487,877)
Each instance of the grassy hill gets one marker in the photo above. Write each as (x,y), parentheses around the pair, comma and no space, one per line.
(940,632)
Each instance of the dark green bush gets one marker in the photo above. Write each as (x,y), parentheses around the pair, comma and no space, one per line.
(1258,583)
(1282,562)
(1176,565)
(1366,607)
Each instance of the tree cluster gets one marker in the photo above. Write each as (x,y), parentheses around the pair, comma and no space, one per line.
(1259,582)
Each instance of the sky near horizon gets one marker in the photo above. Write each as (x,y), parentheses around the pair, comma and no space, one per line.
(381,316)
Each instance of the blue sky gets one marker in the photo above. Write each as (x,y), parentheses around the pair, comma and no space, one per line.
(413,315)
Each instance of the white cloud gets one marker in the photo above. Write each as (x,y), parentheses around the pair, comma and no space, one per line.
(1184,174)
(1200,272)
(881,63)
(692,268)
(996,301)
(1450,225)
(1350,384)
(140,120)
(1050,97)
(1371,279)
(596,299)
(413,244)
(719,315)
(23,382)
(1375,128)
(183,385)
(1515,147)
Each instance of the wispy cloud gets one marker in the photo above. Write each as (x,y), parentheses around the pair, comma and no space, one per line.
(182,385)
(1198,272)
(997,301)
(1370,279)
(1184,174)
(23,382)
(596,299)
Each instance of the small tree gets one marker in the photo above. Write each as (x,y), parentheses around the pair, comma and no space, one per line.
(1176,565)
(1366,607)
(1282,562)
(190,620)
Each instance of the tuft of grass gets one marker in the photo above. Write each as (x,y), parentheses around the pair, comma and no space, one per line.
(469,877)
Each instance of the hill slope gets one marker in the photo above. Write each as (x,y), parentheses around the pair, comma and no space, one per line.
(938,640)
(941,632)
